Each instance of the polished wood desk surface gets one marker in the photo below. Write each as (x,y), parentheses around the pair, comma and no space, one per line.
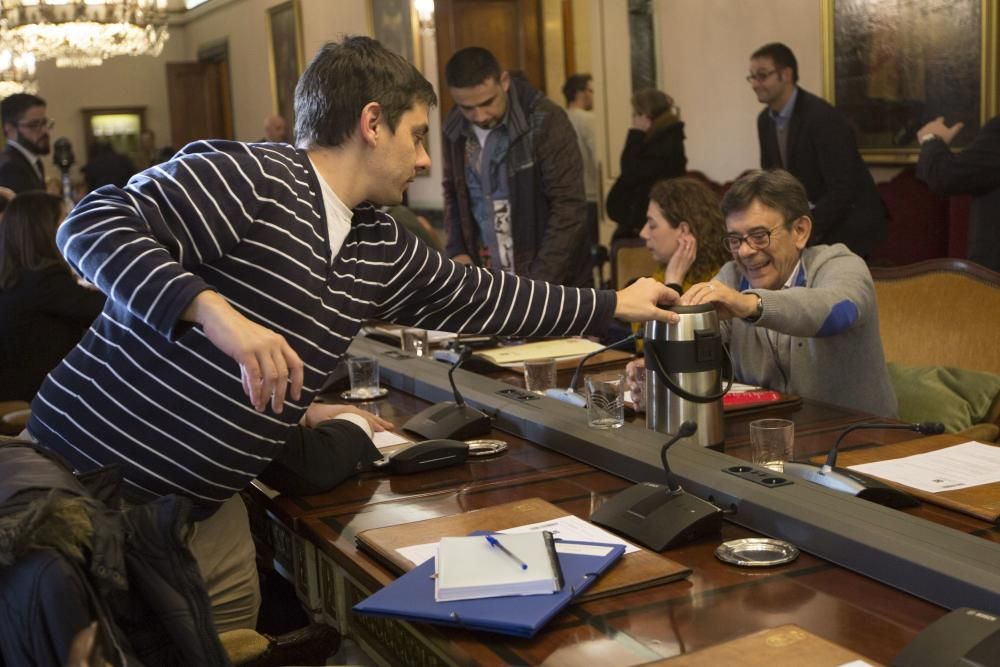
(718,603)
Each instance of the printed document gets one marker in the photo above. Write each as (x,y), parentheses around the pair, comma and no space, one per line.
(957,467)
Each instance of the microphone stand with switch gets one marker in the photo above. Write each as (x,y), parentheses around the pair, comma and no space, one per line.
(856,483)
(660,517)
(451,419)
(570,394)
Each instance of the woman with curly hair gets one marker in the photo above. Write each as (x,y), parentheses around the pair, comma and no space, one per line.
(44,311)
(683,231)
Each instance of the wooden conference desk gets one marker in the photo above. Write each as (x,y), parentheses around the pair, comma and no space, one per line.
(313,540)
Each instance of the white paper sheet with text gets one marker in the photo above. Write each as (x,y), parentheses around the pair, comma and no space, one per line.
(948,469)
(571,528)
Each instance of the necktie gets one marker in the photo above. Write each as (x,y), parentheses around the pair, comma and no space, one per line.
(41,169)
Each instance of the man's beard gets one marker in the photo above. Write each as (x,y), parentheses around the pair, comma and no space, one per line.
(41,148)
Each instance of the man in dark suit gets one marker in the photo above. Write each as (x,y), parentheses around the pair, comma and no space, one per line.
(26,127)
(974,171)
(806,136)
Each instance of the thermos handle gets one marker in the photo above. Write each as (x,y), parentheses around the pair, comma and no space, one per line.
(683,393)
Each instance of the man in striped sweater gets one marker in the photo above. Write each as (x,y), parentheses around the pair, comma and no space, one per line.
(237,275)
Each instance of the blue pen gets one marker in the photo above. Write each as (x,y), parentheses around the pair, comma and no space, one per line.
(494,542)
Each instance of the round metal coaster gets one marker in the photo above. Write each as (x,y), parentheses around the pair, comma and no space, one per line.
(348,396)
(485,447)
(756,552)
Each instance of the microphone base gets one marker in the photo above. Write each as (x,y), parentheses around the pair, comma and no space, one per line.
(658,518)
(853,483)
(567,396)
(451,421)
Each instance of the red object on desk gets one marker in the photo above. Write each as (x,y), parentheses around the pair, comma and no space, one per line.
(748,397)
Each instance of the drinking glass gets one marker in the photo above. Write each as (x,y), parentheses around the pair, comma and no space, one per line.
(363,372)
(605,400)
(771,442)
(539,375)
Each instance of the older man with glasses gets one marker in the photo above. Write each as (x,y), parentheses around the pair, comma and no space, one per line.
(797,319)
(808,137)
(26,127)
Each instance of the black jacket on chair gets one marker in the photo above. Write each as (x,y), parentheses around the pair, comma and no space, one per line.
(68,557)
(823,155)
(17,173)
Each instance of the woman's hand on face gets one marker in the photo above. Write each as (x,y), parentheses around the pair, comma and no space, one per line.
(683,258)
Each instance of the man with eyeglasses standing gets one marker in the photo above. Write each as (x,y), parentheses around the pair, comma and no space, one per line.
(797,319)
(26,127)
(808,137)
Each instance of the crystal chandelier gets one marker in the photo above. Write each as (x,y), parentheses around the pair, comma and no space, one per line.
(82,33)
(17,73)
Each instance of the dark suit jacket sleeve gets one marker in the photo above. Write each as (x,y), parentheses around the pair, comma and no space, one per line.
(17,174)
(837,148)
(975,170)
(314,460)
(769,157)
(558,152)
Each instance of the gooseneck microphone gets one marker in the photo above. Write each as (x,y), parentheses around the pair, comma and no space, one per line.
(686,430)
(658,516)
(570,394)
(856,483)
(463,356)
(926,428)
(451,419)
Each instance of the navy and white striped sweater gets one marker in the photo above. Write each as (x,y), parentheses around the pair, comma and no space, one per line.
(151,392)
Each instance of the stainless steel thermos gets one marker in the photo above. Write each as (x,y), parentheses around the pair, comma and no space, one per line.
(684,373)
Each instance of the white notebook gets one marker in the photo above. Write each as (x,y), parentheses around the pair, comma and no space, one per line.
(496,565)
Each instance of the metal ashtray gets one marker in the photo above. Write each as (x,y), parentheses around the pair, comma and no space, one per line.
(486,447)
(756,552)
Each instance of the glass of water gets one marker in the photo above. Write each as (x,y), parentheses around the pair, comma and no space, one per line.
(605,400)
(363,372)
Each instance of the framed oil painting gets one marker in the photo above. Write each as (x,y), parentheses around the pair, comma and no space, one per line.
(284,46)
(394,23)
(893,65)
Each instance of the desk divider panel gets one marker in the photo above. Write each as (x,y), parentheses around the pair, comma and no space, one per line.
(939,564)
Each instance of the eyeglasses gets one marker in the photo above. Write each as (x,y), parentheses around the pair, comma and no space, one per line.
(38,124)
(758,239)
(760,76)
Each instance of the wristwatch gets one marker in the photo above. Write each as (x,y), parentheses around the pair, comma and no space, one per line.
(758,311)
(924,138)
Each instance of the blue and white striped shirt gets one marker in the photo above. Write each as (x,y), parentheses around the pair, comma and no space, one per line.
(150,392)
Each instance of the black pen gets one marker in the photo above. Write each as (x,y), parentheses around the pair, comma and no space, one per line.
(494,542)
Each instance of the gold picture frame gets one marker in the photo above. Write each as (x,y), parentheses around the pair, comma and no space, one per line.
(891,67)
(285,57)
(394,23)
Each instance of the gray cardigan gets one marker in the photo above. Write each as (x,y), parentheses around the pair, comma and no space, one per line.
(818,339)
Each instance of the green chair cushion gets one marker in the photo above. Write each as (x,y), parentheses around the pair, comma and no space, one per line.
(956,397)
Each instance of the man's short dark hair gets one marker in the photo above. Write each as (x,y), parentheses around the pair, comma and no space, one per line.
(781,55)
(577,83)
(13,107)
(775,188)
(342,79)
(470,67)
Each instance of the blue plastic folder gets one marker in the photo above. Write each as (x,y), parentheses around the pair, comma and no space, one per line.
(411,597)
